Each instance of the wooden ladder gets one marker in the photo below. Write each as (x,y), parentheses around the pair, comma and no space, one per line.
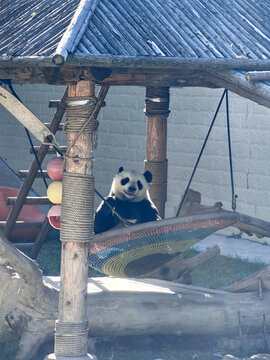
(33,172)
(23,198)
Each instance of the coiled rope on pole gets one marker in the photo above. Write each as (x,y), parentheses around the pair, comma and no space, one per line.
(157,101)
(78,207)
(71,338)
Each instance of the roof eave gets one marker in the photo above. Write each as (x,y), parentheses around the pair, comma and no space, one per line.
(169,63)
(74,31)
(140,62)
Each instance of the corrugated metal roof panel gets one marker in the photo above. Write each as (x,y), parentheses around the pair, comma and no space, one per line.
(179,28)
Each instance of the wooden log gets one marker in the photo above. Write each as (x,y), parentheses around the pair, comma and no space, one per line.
(74,255)
(248,224)
(252,225)
(161,63)
(174,269)
(260,279)
(237,83)
(118,307)
(156,147)
(258,76)
(154,306)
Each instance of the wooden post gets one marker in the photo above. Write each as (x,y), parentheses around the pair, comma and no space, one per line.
(71,326)
(157,111)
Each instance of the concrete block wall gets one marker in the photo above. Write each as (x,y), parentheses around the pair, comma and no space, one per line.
(122,140)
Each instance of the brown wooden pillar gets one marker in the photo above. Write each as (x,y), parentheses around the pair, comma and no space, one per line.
(76,224)
(157,111)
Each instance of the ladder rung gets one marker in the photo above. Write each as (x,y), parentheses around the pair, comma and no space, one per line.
(24,173)
(51,149)
(54,103)
(60,127)
(23,224)
(30,200)
(23,246)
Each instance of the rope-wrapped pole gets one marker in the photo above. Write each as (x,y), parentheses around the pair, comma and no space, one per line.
(76,223)
(157,110)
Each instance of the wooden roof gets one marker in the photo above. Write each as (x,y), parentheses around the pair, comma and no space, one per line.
(33,27)
(137,42)
(205,29)
(179,28)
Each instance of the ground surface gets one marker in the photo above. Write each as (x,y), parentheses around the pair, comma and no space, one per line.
(216,273)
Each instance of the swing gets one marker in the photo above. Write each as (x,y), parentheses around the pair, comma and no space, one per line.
(132,251)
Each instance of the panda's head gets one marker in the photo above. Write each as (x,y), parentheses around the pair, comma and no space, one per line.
(130,186)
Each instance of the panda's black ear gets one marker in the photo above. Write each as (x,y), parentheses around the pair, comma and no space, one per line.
(148,176)
(120,169)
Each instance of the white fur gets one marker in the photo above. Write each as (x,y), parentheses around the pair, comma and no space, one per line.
(123,192)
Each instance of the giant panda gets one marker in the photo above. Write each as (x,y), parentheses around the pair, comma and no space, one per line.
(129,197)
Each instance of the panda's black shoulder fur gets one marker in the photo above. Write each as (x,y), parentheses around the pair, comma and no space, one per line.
(135,212)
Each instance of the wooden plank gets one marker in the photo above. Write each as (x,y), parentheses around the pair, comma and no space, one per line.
(23,246)
(33,170)
(23,224)
(24,115)
(24,174)
(60,127)
(45,229)
(30,200)
(51,149)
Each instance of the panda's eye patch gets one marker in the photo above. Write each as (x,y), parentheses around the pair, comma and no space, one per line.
(124,181)
(140,185)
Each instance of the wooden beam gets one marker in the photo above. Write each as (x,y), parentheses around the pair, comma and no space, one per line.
(24,173)
(45,229)
(74,255)
(30,200)
(163,63)
(236,82)
(23,224)
(51,149)
(21,113)
(258,76)
(157,111)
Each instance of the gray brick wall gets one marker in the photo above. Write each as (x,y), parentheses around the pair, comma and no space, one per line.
(121,142)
